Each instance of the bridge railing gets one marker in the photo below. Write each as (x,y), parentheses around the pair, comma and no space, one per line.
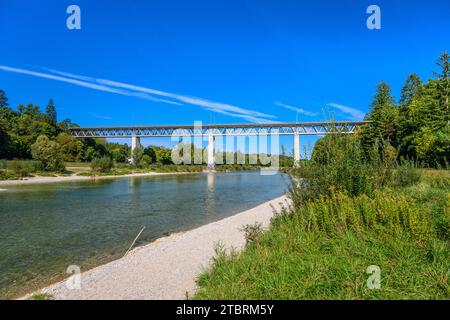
(312,128)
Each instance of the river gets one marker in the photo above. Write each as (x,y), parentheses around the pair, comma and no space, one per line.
(47,227)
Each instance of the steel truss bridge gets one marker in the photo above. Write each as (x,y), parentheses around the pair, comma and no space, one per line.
(213,131)
(311,128)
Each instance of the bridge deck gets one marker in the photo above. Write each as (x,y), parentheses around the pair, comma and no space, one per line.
(305,128)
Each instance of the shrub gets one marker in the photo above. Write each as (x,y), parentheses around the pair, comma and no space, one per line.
(49,153)
(41,296)
(386,212)
(406,174)
(337,164)
(8,175)
(137,155)
(252,232)
(103,164)
(146,160)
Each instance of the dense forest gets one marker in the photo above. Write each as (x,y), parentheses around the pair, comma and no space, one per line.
(28,132)
(416,128)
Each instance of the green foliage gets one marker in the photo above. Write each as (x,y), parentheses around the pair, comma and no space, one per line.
(50,110)
(41,296)
(14,169)
(71,148)
(103,164)
(384,117)
(443,84)
(386,212)
(3,100)
(338,163)
(20,128)
(9,175)
(31,166)
(406,174)
(163,155)
(252,232)
(146,160)
(119,152)
(93,148)
(411,90)
(49,153)
(289,262)
(419,127)
(347,213)
(285,160)
(136,157)
(150,152)
(5,141)
(174,168)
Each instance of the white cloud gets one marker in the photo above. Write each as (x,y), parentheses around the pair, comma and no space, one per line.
(99,116)
(354,113)
(207,104)
(248,118)
(84,84)
(299,110)
(218,107)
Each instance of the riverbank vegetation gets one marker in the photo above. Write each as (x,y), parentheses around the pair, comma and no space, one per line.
(33,142)
(323,244)
(371,206)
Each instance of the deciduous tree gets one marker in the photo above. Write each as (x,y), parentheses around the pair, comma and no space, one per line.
(49,153)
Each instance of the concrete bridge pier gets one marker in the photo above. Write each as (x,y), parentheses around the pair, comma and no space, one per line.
(210,160)
(135,142)
(296,150)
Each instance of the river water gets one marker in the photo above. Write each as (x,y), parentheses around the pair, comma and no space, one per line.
(46,228)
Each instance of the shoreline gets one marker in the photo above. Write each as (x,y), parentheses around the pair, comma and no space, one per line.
(168,267)
(42,180)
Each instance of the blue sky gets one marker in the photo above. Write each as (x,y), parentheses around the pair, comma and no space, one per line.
(174,62)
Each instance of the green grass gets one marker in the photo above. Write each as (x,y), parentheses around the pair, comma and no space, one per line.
(16,169)
(78,164)
(309,265)
(124,169)
(323,250)
(41,296)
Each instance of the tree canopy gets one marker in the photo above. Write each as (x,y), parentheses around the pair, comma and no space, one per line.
(419,126)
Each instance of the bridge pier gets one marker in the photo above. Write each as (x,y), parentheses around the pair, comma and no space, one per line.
(296,150)
(210,161)
(250,130)
(135,142)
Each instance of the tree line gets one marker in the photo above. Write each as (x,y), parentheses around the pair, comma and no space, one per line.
(416,128)
(30,133)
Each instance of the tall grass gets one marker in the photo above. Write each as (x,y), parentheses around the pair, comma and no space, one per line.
(340,164)
(349,210)
(13,169)
(386,212)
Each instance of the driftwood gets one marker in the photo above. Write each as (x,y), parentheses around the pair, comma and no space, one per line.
(134,241)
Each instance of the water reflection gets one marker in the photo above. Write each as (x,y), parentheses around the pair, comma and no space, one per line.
(47,227)
(210,199)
